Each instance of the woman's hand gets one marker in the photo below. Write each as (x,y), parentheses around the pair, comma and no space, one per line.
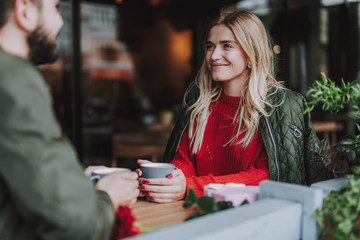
(141,161)
(163,190)
(139,172)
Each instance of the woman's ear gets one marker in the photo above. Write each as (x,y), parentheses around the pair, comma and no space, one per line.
(26,15)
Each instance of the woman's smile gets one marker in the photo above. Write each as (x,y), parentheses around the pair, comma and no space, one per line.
(218,66)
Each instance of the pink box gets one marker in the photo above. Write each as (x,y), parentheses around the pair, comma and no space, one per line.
(237,195)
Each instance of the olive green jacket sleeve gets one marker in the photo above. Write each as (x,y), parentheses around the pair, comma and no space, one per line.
(44,192)
(290,141)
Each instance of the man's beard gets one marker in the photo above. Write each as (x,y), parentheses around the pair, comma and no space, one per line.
(42,50)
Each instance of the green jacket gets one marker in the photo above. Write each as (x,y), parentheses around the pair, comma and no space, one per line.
(288,135)
(44,193)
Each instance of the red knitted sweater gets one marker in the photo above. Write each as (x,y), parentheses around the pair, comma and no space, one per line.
(216,163)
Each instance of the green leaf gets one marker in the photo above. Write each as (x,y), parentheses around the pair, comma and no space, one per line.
(347,141)
(244,202)
(192,199)
(358,126)
(356,170)
(206,204)
(224,205)
(323,145)
(351,155)
(346,226)
(329,153)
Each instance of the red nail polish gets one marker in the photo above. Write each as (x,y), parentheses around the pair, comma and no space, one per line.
(170,175)
(151,198)
(142,187)
(147,193)
(146,181)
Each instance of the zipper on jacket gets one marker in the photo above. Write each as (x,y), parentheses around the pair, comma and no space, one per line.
(297,133)
(275,152)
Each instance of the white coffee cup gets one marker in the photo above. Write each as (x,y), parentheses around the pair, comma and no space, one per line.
(102,172)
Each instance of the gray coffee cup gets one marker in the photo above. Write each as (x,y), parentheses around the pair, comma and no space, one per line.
(102,172)
(156,170)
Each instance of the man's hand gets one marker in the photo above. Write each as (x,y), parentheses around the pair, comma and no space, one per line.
(122,188)
(90,169)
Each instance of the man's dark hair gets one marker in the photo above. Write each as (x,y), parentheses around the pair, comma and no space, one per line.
(6,6)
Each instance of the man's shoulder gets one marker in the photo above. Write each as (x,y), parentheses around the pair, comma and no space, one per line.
(8,61)
(17,72)
(14,67)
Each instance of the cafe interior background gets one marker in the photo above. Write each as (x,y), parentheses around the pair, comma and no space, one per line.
(124,66)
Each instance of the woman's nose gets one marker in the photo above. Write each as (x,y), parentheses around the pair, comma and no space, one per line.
(216,54)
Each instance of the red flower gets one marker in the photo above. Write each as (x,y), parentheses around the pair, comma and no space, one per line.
(124,224)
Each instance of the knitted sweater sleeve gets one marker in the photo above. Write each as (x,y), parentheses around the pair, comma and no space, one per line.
(184,160)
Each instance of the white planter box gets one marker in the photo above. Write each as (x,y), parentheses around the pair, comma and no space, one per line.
(283,211)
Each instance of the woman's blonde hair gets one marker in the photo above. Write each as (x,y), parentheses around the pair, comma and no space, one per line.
(250,32)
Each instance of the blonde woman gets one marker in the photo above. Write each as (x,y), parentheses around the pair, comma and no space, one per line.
(238,123)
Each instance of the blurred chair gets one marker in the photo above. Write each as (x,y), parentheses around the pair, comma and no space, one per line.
(328,130)
(139,145)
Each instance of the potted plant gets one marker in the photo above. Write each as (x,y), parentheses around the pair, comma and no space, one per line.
(339,217)
(335,98)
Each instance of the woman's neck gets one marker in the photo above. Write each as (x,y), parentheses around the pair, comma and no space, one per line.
(234,88)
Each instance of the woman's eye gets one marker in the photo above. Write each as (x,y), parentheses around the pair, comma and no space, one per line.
(208,47)
(227,46)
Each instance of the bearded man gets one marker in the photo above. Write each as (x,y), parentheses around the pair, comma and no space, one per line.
(44,193)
